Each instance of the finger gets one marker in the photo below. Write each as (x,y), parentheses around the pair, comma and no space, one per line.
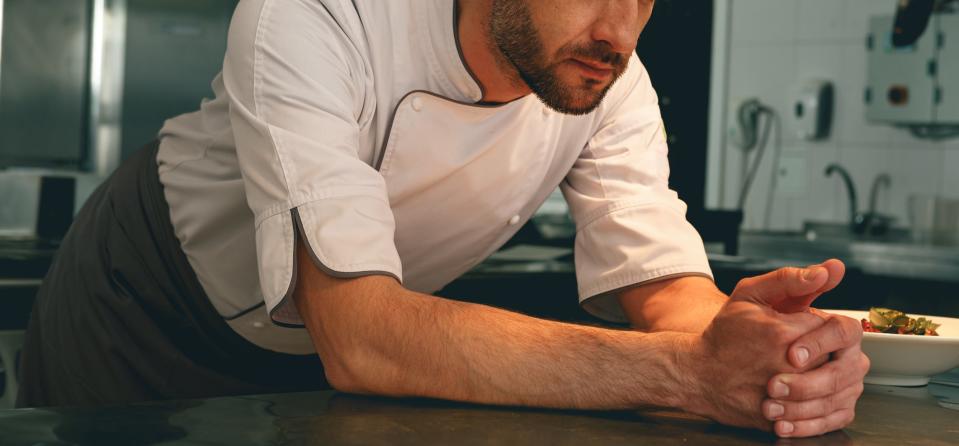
(839,332)
(836,270)
(779,286)
(846,370)
(806,410)
(802,322)
(816,426)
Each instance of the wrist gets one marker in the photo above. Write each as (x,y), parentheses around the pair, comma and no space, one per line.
(692,368)
(668,373)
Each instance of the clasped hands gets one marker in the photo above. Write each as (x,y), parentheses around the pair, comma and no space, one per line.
(767,349)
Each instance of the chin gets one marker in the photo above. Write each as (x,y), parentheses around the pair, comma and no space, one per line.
(575,107)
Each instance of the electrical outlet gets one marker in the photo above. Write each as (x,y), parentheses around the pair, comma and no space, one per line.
(792,176)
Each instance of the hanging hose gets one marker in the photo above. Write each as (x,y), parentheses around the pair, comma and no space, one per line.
(750,114)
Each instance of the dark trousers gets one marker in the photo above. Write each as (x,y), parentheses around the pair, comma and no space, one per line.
(121,317)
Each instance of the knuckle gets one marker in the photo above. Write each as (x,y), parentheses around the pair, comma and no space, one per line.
(794,411)
(810,409)
(784,274)
(778,332)
(816,427)
(842,332)
(819,346)
(799,390)
(855,327)
(743,284)
(865,363)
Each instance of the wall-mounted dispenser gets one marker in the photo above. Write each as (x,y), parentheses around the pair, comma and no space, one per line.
(813,110)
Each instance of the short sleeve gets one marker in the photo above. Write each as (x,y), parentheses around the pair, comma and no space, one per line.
(631,228)
(297,86)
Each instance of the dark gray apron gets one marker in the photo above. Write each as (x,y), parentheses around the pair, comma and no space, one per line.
(121,317)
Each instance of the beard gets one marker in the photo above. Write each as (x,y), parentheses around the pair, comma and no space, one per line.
(515,37)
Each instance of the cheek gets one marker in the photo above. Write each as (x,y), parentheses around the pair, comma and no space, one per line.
(561,23)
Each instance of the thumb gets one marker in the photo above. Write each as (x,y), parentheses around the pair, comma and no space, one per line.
(785,290)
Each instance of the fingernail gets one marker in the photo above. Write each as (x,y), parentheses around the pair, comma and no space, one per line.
(775,410)
(802,354)
(786,427)
(780,390)
(812,273)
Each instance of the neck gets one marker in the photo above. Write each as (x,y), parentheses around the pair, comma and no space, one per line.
(496,75)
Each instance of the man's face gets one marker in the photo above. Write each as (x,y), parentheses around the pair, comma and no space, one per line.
(568,52)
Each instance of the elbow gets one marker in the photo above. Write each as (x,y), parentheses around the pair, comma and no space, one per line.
(342,374)
(359,373)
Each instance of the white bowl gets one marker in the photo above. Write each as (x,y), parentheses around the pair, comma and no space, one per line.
(909,360)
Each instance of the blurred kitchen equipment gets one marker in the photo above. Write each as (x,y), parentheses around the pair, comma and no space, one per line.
(912,19)
(55,212)
(718,226)
(11,343)
(173,50)
(44,82)
(934,219)
(912,68)
(813,110)
(747,136)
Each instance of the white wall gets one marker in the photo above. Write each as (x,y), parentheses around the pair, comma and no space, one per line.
(766,49)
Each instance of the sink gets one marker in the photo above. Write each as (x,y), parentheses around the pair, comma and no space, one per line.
(893,254)
(841,232)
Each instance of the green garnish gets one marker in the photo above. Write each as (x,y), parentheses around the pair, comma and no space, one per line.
(886,320)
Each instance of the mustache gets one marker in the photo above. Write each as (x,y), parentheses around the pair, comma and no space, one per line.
(599,52)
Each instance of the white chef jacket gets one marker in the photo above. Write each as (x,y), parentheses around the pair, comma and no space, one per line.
(355,124)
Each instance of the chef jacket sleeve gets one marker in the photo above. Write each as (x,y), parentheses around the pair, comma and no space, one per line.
(631,228)
(298,94)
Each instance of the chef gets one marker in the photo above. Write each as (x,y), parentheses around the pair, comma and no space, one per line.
(359,155)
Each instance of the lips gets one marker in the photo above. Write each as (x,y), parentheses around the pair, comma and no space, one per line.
(593,69)
(595,65)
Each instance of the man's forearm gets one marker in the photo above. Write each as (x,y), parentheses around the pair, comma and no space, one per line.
(685,304)
(425,346)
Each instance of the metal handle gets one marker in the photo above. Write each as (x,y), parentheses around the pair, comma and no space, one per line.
(107,46)
(20,283)
(1,42)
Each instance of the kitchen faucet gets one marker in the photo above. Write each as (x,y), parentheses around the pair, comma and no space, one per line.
(854,217)
(871,222)
(874,222)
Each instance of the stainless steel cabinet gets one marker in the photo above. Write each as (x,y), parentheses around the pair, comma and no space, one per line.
(84,81)
(174,48)
(44,60)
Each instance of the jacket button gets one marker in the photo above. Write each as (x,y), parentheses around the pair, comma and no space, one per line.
(514,220)
(416,103)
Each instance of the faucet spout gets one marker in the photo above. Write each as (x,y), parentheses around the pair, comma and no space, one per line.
(879,182)
(850,190)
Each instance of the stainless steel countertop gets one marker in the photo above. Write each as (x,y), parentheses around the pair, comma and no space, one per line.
(885,416)
(881,258)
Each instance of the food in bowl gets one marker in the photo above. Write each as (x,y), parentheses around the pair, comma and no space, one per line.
(886,320)
(909,360)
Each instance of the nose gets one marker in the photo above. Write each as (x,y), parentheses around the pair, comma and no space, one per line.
(621,23)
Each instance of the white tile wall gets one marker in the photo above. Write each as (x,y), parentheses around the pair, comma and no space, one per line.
(764,22)
(776,46)
(949,186)
(820,21)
